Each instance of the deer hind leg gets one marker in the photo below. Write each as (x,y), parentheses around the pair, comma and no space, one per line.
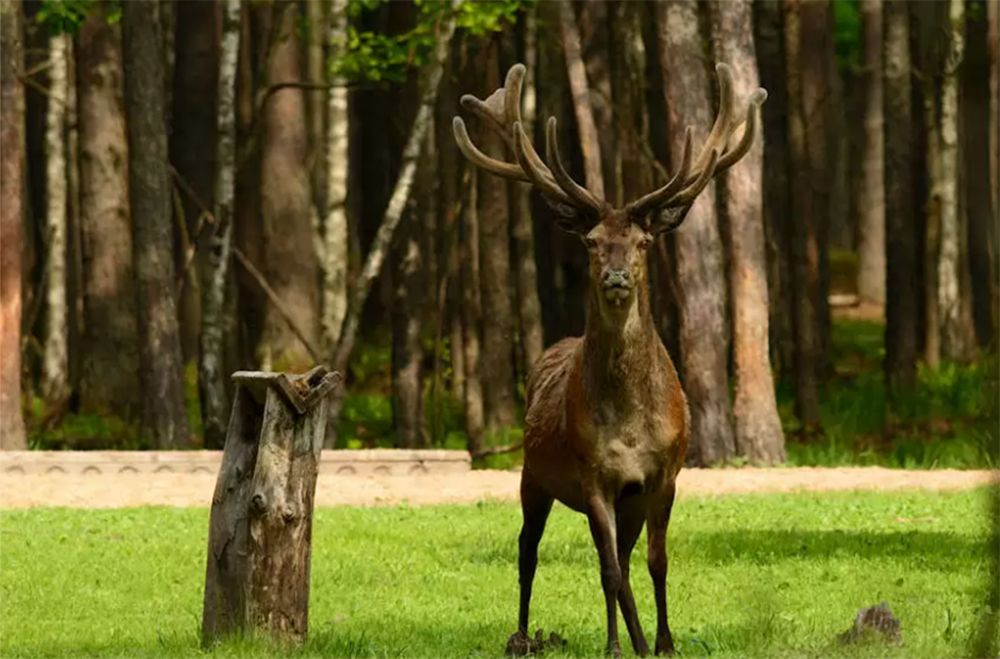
(536,504)
(658,516)
(631,516)
(601,516)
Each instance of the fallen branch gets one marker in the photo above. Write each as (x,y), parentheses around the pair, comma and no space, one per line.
(276,301)
(498,450)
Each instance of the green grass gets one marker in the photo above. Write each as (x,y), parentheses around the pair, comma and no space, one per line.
(751,576)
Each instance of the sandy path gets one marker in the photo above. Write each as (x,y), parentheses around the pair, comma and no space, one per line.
(24,491)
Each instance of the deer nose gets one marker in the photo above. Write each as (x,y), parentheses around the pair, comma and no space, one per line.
(616,277)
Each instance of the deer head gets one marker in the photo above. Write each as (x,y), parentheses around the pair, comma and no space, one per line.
(616,238)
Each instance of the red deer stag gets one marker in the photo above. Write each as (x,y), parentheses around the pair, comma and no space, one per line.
(607,423)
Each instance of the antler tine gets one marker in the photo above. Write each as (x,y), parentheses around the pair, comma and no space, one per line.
(656,198)
(730,157)
(691,192)
(537,175)
(480,159)
(580,195)
(720,130)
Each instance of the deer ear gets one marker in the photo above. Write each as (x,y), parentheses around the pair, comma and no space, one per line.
(668,219)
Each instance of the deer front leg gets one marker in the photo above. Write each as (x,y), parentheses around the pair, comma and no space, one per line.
(658,519)
(602,527)
(536,504)
(630,517)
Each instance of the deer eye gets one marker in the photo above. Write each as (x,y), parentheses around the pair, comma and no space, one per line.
(589,242)
(645,242)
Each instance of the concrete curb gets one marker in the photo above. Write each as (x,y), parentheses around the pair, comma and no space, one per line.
(385,462)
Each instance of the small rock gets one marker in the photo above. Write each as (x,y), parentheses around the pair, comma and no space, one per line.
(874,622)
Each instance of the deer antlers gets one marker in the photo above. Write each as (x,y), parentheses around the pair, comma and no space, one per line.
(502,113)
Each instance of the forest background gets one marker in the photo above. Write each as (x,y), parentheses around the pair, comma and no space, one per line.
(194,188)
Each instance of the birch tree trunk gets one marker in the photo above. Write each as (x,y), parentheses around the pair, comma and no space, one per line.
(11,224)
(211,367)
(55,366)
(110,360)
(757,426)
(335,237)
(871,204)
(529,309)
(901,253)
(165,420)
(699,259)
(952,333)
(429,84)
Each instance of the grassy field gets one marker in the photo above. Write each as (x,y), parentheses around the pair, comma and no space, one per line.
(751,576)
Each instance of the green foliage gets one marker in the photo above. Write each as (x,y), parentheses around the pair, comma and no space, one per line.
(376,57)
(848,35)
(773,575)
(66,16)
(79,431)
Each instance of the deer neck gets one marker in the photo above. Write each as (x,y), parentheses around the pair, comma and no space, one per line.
(619,354)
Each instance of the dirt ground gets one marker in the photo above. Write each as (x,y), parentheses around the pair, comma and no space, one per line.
(124,490)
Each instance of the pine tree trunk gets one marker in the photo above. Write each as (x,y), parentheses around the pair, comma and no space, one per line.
(192,153)
(757,426)
(496,372)
(12,188)
(932,230)
(211,365)
(335,235)
(161,369)
(55,366)
(993,46)
(406,317)
(952,332)
(286,200)
(804,240)
(529,310)
(316,101)
(871,199)
(472,315)
(770,48)
(901,253)
(699,259)
(110,368)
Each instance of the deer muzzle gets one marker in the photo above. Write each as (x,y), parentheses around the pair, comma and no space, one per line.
(617,283)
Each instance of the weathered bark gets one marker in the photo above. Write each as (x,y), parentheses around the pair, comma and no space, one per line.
(595,48)
(699,266)
(74,247)
(211,367)
(55,365)
(590,143)
(758,431)
(529,310)
(471,316)
(165,420)
(871,197)
(804,240)
(11,224)
(769,29)
(335,234)
(193,140)
(901,306)
(430,82)
(260,530)
(496,367)
(952,335)
(290,255)
(409,287)
(932,205)
(975,147)
(110,368)
(316,100)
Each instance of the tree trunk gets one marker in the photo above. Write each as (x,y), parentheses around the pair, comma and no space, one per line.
(11,224)
(286,201)
(871,198)
(110,368)
(932,215)
(590,142)
(758,428)
(805,243)
(595,41)
(430,82)
(952,333)
(316,100)
(55,367)
(529,309)
(335,238)
(699,266)
(407,351)
(901,306)
(770,48)
(192,153)
(161,368)
(993,45)
(497,373)
(471,315)
(211,367)
(976,150)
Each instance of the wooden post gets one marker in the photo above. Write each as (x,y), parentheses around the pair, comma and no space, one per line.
(260,530)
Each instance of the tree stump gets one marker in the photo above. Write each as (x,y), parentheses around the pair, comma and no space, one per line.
(260,530)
